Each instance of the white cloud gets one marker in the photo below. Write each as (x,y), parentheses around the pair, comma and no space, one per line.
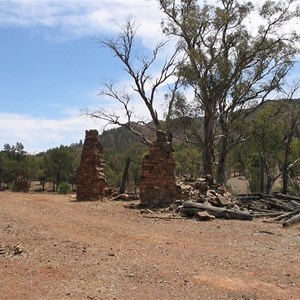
(42,134)
(77,18)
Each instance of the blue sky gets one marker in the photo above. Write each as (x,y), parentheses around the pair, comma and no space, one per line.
(51,66)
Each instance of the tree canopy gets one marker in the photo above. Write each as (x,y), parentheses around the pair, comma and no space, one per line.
(229,64)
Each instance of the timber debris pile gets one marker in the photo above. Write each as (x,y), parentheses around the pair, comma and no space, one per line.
(280,208)
(203,200)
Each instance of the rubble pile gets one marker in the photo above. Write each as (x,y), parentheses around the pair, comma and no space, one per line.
(205,201)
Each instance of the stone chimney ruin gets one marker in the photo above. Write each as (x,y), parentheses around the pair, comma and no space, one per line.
(158,186)
(90,176)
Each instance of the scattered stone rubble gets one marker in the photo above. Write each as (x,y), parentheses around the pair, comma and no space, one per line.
(91,180)
(10,250)
(204,201)
(202,196)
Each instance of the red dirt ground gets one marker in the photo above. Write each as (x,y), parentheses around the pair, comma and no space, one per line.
(101,250)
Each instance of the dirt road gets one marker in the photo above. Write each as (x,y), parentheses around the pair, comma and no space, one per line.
(101,250)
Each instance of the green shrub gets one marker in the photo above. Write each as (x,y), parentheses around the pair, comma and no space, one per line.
(64,188)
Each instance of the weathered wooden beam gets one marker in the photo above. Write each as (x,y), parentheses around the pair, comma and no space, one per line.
(292,221)
(277,204)
(218,211)
(286,197)
(286,215)
(266,214)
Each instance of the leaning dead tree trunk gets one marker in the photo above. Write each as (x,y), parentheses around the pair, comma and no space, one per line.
(125,176)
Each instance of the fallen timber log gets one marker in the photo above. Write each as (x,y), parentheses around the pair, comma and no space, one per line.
(266,214)
(295,203)
(190,207)
(274,203)
(287,215)
(258,196)
(286,197)
(288,207)
(247,197)
(292,221)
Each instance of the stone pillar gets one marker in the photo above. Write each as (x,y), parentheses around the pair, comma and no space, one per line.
(90,176)
(158,182)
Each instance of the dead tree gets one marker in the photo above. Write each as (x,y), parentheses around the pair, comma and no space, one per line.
(273,178)
(146,85)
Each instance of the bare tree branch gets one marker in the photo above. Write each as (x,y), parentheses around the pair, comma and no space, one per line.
(140,68)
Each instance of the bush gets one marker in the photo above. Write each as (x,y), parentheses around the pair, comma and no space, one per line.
(64,188)
(21,182)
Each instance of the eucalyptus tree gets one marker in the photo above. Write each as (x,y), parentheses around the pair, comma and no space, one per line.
(238,54)
(267,137)
(270,154)
(290,130)
(13,158)
(59,165)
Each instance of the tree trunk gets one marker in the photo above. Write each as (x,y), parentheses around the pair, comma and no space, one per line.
(262,177)
(208,142)
(285,175)
(57,182)
(125,176)
(220,176)
(285,178)
(270,184)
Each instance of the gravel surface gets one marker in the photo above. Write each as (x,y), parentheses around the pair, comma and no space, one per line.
(52,247)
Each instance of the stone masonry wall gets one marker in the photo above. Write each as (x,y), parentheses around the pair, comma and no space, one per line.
(90,177)
(158,183)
